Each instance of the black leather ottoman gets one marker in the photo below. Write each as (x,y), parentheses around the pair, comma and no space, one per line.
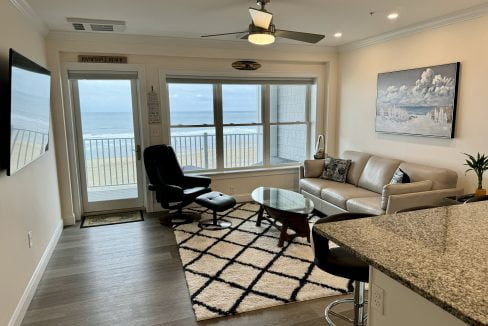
(217,202)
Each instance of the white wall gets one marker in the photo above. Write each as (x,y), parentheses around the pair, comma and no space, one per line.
(165,56)
(29,200)
(466,42)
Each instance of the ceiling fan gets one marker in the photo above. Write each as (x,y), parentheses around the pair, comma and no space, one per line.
(262,31)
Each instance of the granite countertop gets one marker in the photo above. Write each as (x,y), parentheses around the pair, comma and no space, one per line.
(440,253)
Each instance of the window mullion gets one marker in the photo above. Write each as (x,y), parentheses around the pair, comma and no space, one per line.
(218,121)
(308,120)
(265,107)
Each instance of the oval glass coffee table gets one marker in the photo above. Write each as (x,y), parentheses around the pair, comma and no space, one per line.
(287,207)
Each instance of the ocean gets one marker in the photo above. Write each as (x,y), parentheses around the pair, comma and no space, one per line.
(119,124)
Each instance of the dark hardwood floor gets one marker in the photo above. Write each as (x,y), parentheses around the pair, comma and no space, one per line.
(131,274)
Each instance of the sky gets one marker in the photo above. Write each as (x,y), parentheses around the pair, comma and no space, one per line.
(115,96)
(431,86)
(105,95)
(199,97)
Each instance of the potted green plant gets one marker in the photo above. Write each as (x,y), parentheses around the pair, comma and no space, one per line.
(479,165)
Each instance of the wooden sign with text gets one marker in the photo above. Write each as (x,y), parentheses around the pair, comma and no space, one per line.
(102,59)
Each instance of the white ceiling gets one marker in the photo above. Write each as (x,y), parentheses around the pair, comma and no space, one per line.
(192,18)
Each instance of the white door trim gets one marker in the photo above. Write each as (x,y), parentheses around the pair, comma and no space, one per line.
(70,123)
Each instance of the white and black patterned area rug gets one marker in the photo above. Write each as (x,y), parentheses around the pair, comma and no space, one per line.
(242,268)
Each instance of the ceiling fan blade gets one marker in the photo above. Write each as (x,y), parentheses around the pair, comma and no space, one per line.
(299,36)
(260,18)
(245,37)
(212,35)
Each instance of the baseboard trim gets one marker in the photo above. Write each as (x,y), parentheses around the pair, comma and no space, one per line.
(69,220)
(31,287)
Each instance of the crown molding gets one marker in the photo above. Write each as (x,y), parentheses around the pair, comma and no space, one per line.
(26,10)
(456,17)
(185,47)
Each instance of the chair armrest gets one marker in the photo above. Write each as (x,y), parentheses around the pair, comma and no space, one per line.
(170,191)
(424,198)
(196,181)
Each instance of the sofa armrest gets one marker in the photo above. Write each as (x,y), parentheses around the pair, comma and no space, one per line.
(403,188)
(301,172)
(312,168)
(424,198)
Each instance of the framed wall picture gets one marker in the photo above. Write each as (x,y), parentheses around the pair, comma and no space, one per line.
(418,102)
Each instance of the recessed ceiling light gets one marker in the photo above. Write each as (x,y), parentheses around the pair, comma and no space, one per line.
(338,34)
(393,16)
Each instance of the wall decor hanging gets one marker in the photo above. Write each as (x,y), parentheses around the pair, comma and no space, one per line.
(246,65)
(418,102)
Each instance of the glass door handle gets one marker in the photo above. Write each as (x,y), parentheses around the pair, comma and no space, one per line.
(138,152)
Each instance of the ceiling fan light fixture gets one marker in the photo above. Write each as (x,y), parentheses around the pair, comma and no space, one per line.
(261,38)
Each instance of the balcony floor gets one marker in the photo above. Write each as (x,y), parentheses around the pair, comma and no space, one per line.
(112,193)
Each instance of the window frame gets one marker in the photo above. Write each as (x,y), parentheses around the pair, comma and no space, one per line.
(189,126)
(265,123)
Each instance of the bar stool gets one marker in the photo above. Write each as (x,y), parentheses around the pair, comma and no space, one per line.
(340,262)
(416,208)
(476,199)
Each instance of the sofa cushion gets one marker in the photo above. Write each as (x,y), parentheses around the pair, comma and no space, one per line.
(358,162)
(313,168)
(441,178)
(403,188)
(339,193)
(335,169)
(314,185)
(377,173)
(367,205)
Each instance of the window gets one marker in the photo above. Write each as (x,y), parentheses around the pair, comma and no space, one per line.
(288,123)
(192,125)
(240,124)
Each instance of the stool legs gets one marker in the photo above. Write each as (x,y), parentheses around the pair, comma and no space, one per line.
(359,304)
(358,301)
(215,223)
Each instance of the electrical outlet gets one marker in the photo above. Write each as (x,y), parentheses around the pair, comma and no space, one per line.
(377,296)
(29,238)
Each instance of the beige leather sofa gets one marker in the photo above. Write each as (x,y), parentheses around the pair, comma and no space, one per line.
(367,188)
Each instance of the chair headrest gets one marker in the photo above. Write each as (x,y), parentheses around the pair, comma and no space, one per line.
(162,166)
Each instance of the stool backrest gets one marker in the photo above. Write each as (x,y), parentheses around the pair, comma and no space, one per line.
(476,199)
(320,243)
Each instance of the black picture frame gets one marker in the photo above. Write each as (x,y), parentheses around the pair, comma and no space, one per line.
(398,114)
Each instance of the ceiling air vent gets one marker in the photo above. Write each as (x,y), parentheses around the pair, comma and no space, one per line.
(78,27)
(96,25)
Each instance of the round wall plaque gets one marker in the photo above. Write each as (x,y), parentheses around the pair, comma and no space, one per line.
(246,65)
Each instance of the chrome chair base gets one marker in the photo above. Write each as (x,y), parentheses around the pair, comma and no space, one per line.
(359,304)
(215,224)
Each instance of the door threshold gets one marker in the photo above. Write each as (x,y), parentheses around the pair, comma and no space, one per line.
(109,211)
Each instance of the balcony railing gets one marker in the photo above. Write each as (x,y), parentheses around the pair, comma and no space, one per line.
(110,161)
(199,152)
(26,145)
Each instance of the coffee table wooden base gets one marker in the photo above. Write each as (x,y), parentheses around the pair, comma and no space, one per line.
(289,220)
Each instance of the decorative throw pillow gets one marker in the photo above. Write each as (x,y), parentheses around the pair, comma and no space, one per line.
(400,177)
(336,169)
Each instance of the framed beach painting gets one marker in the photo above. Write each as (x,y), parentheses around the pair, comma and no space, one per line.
(418,102)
